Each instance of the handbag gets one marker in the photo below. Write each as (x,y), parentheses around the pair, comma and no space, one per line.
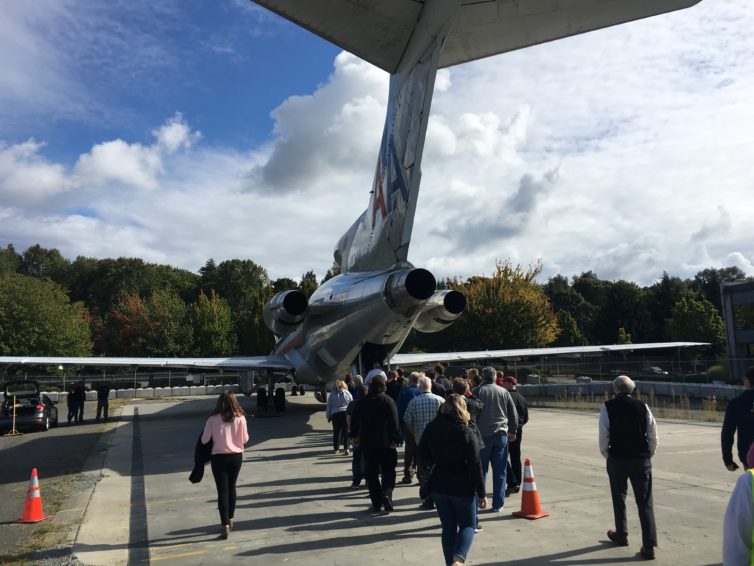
(425,482)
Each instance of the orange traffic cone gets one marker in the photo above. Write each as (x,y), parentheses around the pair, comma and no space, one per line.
(530,507)
(33,505)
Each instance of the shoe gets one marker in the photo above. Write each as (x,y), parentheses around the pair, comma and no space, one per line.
(387,503)
(225,532)
(347,453)
(496,509)
(336,452)
(355,486)
(230,525)
(647,553)
(375,509)
(507,492)
(407,480)
(428,505)
(478,528)
(617,539)
(513,489)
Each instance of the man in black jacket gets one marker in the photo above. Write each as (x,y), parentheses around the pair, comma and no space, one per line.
(374,427)
(739,418)
(513,478)
(628,439)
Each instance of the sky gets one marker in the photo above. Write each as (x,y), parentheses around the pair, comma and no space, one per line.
(178,131)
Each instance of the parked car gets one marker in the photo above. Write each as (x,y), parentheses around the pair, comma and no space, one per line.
(33,409)
(655,370)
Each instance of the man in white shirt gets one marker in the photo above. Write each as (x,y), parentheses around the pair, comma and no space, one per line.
(376,370)
(628,439)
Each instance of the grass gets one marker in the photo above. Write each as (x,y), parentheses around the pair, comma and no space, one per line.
(675,407)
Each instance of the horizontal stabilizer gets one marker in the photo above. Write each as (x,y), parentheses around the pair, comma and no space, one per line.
(379,31)
(411,359)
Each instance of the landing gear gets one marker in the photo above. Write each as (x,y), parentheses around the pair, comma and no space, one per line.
(321,393)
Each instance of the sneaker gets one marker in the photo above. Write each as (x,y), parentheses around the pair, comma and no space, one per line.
(347,453)
(407,480)
(647,553)
(618,539)
(355,486)
(478,528)
(336,452)
(496,509)
(387,503)
(428,505)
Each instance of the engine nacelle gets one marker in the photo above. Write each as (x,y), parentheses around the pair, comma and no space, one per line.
(405,290)
(285,311)
(440,311)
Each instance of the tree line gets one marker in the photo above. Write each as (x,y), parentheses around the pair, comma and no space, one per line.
(52,306)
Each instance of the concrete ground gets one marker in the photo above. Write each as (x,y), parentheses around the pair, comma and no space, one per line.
(294,505)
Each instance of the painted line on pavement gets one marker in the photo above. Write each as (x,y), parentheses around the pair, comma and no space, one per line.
(138,535)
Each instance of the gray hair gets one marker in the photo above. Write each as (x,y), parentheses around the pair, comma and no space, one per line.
(358,380)
(623,384)
(488,374)
(414,377)
(425,384)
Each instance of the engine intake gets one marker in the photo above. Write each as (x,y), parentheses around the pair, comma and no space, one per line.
(409,288)
(285,311)
(441,311)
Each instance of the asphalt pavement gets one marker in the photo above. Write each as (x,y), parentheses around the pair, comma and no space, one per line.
(295,505)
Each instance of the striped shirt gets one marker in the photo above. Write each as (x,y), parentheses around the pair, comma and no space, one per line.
(420,411)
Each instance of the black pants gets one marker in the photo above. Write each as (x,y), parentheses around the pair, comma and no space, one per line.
(514,464)
(81,411)
(374,459)
(339,431)
(225,469)
(409,455)
(640,473)
(102,404)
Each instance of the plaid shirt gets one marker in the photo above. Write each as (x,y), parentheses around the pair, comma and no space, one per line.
(420,411)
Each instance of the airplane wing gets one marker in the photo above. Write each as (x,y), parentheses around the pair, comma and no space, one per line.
(412,359)
(234,363)
(379,31)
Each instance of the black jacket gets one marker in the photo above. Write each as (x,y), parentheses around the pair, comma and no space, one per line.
(739,418)
(375,422)
(452,447)
(475,408)
(522,408)
(202,455)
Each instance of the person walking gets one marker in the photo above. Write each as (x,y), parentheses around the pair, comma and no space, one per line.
(409,453)
(514,470)
(738,523)
(739,420)
(73,410)
(337,403)
(450,446)
(79,394)
(420,411)
(628,440)
(226,427)
(474,406)
(103,399)
(375,430)
(357,464)
(497,423)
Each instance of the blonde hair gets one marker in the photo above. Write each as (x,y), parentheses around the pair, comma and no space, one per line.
(456,405)
(340,384)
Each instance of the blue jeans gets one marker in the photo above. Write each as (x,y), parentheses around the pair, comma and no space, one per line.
(495,452)
(458,519)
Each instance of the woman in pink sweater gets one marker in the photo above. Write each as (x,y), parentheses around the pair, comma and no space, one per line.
(226,427)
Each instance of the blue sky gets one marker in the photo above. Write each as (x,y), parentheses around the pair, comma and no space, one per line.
(146,128)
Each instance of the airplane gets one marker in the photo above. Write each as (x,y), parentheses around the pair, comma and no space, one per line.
(365,314)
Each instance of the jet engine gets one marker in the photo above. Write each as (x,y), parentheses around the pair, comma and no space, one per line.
(440,311)
(285,311)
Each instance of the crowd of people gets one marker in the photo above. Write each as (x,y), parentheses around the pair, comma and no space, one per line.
(452,431)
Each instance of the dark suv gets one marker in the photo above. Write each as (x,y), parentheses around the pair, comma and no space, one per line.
(33,410)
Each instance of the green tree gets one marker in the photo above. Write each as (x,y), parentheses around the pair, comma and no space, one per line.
(624,307)
(661,297)
(283,284)
(569,331)
(10,261)
(697,321)
(707,283)
(246,287)
(41,262)
(37,319)
(308,283)
(332,272)
(213,326)
(507,310)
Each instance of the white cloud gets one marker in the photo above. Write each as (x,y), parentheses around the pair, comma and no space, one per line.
(626,152)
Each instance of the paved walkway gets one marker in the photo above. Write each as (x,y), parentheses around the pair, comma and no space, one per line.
(295,507)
